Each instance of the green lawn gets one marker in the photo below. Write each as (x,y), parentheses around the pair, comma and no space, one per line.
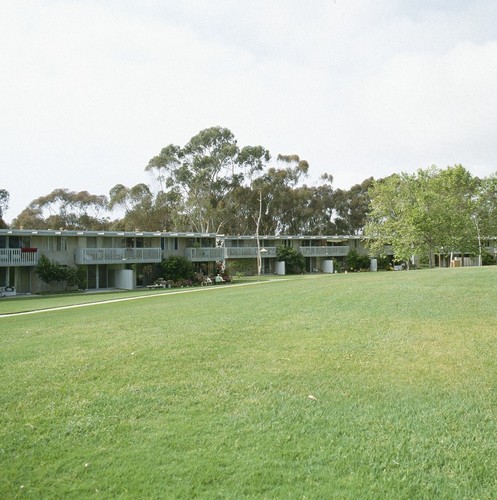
(370,385)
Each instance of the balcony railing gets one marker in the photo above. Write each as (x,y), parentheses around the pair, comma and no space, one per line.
(204,254)
(249,252)
(325,251)
(10,257)
(117,255)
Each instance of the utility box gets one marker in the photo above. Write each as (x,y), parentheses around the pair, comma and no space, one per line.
(124,279)
(280,268)
(328,266)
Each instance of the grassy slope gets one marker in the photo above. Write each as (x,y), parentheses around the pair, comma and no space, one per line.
(206,394)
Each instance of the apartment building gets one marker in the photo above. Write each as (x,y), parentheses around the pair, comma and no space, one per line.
(117,259)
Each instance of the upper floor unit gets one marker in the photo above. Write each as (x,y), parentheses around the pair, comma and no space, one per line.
(246,247)
(20,247)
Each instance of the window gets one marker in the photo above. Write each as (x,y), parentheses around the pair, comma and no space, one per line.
(169,243)
(61,243)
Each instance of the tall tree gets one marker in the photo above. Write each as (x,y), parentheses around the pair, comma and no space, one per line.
(208,179)
(208,173)
(279,200)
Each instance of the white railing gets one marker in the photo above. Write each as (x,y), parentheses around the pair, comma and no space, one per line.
(205,254)
(325,251)
(10,257)
(117,255)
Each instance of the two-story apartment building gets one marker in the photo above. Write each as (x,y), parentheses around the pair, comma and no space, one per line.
(117,259)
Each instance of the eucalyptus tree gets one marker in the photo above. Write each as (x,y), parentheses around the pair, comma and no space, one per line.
(277,189)
(31,218)
(209,179)
(207,174)
(142,209)
(163,166)
(242,208)
(351,207)
(65,209)
(323,217)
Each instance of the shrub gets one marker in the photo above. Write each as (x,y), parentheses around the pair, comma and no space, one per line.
(51,273)
(177,268)
(294,260)
(356,262)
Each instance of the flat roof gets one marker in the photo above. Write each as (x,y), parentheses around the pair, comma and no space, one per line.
(78,232)
(337,238)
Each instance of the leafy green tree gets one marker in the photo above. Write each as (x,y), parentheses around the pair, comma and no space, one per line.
(388,223)
(293,259)
(424,213)
(455,192)
(484,217)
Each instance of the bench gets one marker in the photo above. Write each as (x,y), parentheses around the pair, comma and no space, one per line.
(156,286)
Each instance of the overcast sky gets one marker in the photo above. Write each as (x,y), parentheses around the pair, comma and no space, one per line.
(91,90)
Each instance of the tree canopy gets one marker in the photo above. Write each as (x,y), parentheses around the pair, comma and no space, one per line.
(65,209)
(431,211)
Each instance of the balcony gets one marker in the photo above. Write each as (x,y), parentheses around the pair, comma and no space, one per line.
(325,251)
(249,252)
(10,257)
(206,254)
(87,256)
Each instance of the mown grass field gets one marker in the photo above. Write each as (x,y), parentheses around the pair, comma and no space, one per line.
(372,385)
